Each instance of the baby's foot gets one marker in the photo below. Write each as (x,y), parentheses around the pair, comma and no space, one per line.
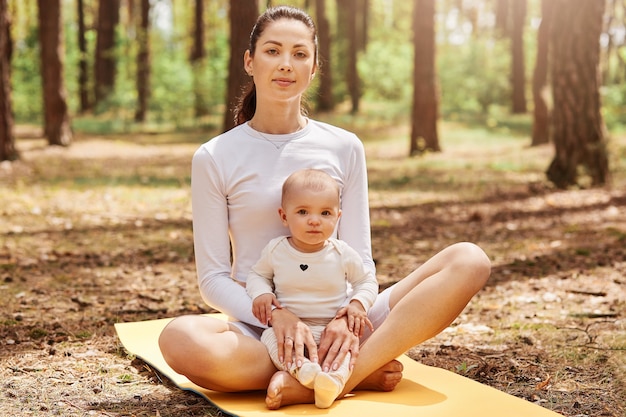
(307,373)
(327,388)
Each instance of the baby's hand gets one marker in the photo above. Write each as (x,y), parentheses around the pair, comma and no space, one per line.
(357,317)
(262,307)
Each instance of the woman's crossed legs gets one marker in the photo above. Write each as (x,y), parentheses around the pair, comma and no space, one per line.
(216,355)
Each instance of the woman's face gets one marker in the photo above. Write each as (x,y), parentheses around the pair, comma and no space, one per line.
(283,64)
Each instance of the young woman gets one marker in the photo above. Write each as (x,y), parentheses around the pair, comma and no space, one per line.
(236,185)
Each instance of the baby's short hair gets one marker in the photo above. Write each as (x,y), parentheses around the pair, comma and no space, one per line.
(311,179)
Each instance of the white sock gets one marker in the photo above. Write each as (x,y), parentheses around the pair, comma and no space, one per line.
(328,385)
(327,389)
(306,374)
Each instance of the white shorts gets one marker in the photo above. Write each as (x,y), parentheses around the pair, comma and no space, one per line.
(377,315)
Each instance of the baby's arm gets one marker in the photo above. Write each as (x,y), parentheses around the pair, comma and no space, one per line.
(262,307)
(357,317)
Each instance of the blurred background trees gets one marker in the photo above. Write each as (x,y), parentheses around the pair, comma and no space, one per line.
(7,139)
(128,65)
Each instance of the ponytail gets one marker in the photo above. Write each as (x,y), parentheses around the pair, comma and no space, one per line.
(246,105)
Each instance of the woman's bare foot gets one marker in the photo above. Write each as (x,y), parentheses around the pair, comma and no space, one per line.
(283,389)
(384,378)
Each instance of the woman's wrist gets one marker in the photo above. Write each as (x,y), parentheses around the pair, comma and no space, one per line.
(276,312)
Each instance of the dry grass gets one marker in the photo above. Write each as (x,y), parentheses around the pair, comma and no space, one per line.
(100,233)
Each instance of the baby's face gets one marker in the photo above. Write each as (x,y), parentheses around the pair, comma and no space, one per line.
(311,217)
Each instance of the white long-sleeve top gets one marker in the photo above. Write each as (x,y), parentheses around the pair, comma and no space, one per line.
(312,285)
(236,182)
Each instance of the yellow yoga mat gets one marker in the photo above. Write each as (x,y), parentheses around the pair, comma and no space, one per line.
(425,391)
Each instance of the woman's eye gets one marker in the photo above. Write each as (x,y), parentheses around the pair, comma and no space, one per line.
(301,54)
(272,51)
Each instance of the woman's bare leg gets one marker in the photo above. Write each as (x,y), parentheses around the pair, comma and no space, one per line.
(422,305)
(215,355)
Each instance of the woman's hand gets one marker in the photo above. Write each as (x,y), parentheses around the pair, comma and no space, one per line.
(292,337)
(337,340)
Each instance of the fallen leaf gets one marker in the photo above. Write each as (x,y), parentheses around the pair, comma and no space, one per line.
(543,385)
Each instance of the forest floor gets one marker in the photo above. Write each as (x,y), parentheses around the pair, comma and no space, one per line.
(100,233)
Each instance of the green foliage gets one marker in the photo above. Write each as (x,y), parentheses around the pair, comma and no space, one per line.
(26,79)
(83,334)
(38,333)
(172,86)
(473,72)
(386,71)
(125,378)
(473,76)
(614,106)
(464,368)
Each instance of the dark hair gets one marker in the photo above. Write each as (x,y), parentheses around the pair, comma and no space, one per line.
(246,105)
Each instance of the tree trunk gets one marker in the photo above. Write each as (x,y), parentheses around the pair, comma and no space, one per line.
(56,118)
(363,24)
(198,60)
(425,100)
(143,63)
(541,113)
(579,131)
(352,73)
(83,77)
(517,46)
(8,39)
(325,99)
(243,15)
(108,18)
(502,17)
(7,139)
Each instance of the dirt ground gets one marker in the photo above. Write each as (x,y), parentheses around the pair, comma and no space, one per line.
(100,233)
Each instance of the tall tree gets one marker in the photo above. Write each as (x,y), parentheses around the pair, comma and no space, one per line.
(7,139)
(83,70)
(541,112)
(517,45)
(104,67)
(242,15)
(502,17)
(197,59)
(425,96)
(143,62)
(353,47)
(363,10)
(56,117)
(325,99)
(579,131)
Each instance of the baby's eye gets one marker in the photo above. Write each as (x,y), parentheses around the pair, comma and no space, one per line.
(326,213)
(302,212)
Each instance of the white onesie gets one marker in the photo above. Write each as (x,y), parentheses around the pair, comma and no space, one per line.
(313,286)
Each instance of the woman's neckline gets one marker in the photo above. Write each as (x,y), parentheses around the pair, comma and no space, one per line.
(277,140)
(301,126)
